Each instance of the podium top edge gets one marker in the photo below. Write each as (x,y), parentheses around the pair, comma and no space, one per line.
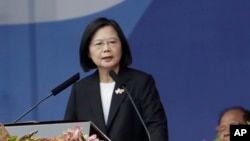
(45,122)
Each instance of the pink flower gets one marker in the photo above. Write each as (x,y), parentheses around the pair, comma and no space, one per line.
(73,134)
(92,138)
(77,133)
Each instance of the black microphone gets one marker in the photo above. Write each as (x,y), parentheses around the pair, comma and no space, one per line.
(54,92)
(121,84)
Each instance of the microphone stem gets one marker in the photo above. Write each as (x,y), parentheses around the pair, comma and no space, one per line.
(138,113)
(24,114)
(54,92)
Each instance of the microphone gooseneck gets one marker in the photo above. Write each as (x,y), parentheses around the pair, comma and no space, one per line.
(54,92)
(114,76)
(65,84)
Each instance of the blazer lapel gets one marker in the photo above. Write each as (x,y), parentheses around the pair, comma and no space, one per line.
(118,97)
(96,103)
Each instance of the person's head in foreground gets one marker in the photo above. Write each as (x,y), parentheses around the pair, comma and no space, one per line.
(231,116)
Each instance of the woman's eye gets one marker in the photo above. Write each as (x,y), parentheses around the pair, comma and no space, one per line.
(112,42)
(98,44)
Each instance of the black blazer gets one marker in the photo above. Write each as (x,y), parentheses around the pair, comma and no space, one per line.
(123,123)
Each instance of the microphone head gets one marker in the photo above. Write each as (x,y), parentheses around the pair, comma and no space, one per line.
(115,77)
(65,84)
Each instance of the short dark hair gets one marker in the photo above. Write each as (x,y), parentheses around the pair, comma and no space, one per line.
(246,113)
(86,63)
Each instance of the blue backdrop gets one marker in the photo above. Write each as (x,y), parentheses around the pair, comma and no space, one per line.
(198,52)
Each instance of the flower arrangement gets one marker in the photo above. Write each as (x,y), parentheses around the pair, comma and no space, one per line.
(75,134)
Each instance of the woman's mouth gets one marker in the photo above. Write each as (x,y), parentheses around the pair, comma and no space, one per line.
(107,58)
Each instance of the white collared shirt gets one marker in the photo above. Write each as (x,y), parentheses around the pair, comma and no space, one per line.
(106,96)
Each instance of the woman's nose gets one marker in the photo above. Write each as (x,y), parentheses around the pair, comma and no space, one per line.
(106,47)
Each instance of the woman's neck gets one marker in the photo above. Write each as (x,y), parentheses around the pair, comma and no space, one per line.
(105,77)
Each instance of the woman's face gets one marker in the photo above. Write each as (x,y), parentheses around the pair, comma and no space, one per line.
(105,48)
(232,117)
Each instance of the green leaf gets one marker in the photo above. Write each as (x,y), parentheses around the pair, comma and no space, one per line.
(216,138)
(12,138)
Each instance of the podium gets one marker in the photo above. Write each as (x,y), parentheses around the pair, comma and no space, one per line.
(50,129)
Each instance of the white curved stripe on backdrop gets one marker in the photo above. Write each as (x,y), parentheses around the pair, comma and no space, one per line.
(30,11)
